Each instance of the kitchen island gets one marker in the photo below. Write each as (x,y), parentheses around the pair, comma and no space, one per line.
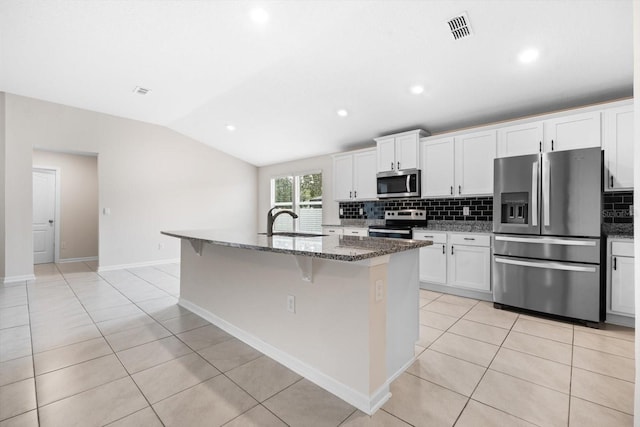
(341,311)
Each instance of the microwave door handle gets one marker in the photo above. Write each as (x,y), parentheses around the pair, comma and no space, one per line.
(534,194)
(546,189)
(408,183)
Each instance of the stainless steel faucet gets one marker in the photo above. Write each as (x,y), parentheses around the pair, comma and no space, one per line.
(271,218)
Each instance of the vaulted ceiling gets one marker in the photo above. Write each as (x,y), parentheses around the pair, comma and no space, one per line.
(280,80)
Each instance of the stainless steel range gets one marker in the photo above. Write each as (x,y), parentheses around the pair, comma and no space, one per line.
(547,225)
(399,224)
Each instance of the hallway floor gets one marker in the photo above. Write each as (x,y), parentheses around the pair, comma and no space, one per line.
(78,348)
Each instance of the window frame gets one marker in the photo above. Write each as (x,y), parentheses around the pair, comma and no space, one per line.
(295,197)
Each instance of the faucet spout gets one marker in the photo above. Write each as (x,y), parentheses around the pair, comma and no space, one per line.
(271,218)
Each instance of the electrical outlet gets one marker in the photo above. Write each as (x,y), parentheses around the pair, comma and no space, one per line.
(379,290)
(291,304)
(630,210)
(361,211)
(465,211)
(341,211)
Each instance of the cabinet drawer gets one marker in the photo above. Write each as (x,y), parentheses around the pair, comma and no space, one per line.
(427,235)
(622,248)
(332,230)
(350,231)
(470,239)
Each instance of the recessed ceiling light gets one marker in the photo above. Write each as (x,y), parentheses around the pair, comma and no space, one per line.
(230,128)
(342,113)
(528,55)
(417,89)
(259,16)
(141,90)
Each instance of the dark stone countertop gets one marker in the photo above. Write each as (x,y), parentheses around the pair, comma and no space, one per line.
(340,248)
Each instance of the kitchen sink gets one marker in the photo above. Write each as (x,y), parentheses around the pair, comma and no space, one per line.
(294,234)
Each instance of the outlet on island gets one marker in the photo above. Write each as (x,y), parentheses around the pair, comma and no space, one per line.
(291,304)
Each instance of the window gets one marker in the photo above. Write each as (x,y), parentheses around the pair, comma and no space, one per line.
(301,194)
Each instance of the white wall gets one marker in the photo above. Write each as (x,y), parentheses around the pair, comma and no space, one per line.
(2,181)
(636,182)
(150,177)
(78,201)
(320,163)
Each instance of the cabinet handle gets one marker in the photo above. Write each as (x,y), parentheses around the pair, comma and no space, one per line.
(391,165)
(355,194)
(614,263)
(459,189)
(469,238)
(452,190)
(351,194)
(611,177)
(398,165)
(427,237)
(552,145)
(451,249)
(443,251)
(540,146)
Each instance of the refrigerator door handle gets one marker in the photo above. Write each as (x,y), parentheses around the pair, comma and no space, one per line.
(547,240)
(546,188)
(549,265)
(534,194)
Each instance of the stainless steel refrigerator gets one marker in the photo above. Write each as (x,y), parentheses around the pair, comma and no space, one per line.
(547,242)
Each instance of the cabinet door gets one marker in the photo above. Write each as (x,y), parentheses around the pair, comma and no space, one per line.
(364,175)
(437,167)
(622,285)
(433,263)
(520,139)
(618,148)
(386,148)
(407,148)
(474,154)
(575,131)
(469,267)
(343,177)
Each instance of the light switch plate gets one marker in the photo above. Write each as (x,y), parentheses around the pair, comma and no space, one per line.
(465,211)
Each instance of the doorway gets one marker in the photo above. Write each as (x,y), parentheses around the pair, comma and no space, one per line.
(45,213)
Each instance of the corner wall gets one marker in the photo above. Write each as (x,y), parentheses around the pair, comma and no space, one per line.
(151,179)
(2,183)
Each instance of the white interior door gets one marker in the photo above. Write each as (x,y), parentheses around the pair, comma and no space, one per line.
(44,210)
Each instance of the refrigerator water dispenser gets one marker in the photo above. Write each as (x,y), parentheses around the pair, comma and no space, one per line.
(515,208)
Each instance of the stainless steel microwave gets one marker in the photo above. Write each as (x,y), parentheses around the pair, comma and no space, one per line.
(402,183)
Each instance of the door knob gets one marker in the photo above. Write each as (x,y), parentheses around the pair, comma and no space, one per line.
(50,221)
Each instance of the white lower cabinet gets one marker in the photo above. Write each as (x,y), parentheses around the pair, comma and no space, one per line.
(333,230)
(356,231)
(458,263)
(620,282)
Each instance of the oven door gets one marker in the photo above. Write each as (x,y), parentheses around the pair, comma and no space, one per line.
(390,232)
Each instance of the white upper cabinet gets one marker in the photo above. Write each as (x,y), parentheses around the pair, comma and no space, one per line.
(437,167)
(474,155)
(399,151)
(354,175)
(458,166)
(521,139)
(573,131)
(618,148)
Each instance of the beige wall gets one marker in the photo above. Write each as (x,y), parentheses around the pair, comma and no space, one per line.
(321,163)
(150,177)
(78,201)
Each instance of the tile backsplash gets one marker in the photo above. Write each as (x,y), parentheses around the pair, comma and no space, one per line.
(616,208)
(480,208)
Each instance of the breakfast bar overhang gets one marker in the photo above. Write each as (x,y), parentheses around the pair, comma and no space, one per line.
(341,311)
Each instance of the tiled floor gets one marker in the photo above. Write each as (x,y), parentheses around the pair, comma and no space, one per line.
(79,348)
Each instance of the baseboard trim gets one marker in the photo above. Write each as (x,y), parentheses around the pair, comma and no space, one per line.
(453,290)
(367,404)
(616,319)
(14,279)
(83,259)
(137,265)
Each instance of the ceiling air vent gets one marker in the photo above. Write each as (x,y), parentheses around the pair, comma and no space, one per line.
(459,26)
(141,91)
